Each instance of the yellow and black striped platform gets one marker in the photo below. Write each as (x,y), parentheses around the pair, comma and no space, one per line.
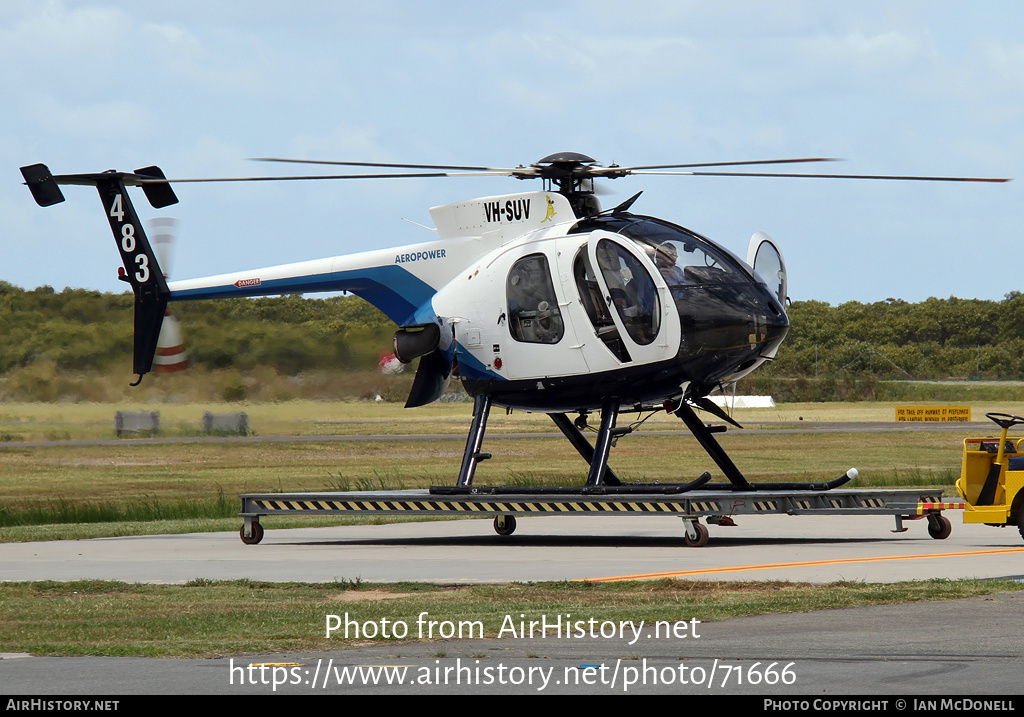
(694,503)
(457,505)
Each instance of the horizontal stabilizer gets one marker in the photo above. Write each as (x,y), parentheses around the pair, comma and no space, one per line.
(159,194)
(42,185)
(46,192)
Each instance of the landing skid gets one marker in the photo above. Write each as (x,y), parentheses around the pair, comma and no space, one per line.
(601,479)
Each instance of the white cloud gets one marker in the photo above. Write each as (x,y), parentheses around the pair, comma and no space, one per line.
(1006,60)
(104,120)
(876,53)
(175,35)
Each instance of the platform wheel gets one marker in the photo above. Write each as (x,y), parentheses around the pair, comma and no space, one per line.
(939,527)
(702,537)
(257,534)
(504,524)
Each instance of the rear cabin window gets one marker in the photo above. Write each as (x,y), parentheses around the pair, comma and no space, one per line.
(533,314)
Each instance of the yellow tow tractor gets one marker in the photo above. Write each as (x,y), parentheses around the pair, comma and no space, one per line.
(992,476)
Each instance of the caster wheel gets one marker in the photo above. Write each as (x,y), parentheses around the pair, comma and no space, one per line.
(939,527)
(702,537)
(257,534)
(504,524)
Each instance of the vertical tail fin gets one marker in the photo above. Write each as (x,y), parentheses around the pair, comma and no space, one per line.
(141,268)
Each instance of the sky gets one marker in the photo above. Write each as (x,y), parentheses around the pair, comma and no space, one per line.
(198,88)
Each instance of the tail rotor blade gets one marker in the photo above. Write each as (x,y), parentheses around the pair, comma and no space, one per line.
(163,232)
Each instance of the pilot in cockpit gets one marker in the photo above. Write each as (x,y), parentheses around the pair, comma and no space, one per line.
(665,256)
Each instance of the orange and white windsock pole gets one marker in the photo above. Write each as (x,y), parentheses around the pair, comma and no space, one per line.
(171,354)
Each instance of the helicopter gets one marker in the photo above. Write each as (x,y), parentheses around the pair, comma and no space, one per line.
(539,301)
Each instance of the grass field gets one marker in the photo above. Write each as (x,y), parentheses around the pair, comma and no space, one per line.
(65,421)
(54,486)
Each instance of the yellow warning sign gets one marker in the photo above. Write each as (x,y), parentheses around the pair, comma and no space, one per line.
(933,413)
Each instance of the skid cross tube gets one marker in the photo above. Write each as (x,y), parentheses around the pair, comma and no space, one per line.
(472,455)
(599,463)
(736,480)
(582,445)
(596,457)
(708,442)
(601,479)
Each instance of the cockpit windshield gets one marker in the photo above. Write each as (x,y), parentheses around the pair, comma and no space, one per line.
(684,259)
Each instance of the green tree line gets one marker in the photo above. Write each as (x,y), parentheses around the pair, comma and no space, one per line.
(934,339)
(82,330)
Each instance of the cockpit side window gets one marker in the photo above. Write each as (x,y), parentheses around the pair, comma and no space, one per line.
(596,308)
(632,290)
(533,313)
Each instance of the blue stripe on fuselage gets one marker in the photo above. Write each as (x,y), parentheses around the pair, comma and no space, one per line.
(471,367)
(391,289)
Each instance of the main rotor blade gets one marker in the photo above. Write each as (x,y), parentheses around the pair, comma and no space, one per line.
(733,164)
(147,180)
(382,164)
(520,169)
(830,176)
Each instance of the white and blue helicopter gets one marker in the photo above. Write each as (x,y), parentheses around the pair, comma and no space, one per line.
(540,301)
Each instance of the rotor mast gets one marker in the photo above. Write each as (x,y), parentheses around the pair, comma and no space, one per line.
(570,174)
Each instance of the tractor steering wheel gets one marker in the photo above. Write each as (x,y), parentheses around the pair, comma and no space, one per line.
(1004,420)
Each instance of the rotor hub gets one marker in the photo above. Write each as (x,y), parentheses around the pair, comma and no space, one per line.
(570,174)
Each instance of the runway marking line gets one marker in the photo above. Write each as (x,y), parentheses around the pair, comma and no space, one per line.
(801,564)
